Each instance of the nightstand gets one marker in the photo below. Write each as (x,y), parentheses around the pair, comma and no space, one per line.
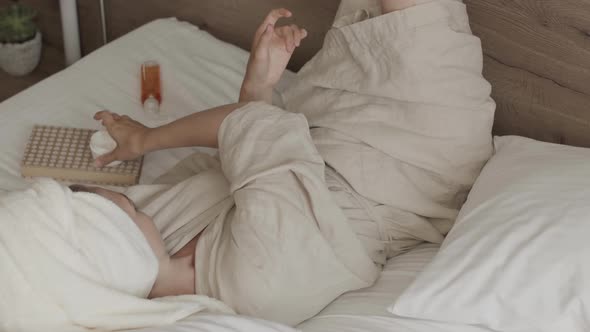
(52,61)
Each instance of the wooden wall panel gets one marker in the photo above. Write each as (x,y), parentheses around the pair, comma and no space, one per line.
(537,57)
(90,25)
(231,20)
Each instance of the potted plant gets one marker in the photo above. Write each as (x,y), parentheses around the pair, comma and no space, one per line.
(20,40)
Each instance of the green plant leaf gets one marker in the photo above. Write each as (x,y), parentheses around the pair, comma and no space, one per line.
(17,24)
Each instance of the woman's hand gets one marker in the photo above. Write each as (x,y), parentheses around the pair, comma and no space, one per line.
(129,134)
(271,51)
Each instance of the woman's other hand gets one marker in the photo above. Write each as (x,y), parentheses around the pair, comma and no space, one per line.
(129,134)
(271,51)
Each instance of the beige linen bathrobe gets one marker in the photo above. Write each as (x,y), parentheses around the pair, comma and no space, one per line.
(291,218)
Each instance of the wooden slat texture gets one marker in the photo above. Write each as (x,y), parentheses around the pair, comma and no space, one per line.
(90,25)
(537,57)
(231,20)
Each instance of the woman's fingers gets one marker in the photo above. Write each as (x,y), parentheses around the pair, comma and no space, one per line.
(296,35)
(289,36)
(265,41)
(106,159)
(292,36)
(303,34)
(106,118)
(275,15)
(101,114)
(128,133)
(271,19)
(300,34)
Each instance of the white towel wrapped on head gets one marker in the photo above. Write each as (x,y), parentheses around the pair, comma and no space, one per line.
(75,261)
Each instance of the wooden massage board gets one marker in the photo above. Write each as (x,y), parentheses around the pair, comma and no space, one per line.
(64,154)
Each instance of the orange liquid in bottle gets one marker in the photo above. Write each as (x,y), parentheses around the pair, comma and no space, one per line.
(150,81)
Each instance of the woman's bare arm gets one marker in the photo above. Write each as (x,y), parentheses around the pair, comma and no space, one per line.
(134,139)
(271,52)
(198,129)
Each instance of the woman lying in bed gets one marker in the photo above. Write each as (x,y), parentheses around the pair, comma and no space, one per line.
(382,137)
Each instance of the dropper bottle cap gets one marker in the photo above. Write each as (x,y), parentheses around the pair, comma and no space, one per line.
(151,105)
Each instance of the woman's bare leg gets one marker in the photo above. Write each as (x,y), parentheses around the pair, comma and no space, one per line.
(388,6)
(349,11)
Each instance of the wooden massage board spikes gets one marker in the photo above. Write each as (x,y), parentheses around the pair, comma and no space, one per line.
(64,154)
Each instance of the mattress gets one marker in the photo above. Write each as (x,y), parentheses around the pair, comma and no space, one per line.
(198,72)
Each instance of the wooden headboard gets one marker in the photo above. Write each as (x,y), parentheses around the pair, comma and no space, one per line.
(233,21)
(537,57)
(537,52)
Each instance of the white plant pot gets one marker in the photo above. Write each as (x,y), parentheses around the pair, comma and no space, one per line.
(21,59)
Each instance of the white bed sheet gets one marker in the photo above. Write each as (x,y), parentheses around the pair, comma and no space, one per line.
(199,72)
(366,309)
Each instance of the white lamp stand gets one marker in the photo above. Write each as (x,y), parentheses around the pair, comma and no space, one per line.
(71,31)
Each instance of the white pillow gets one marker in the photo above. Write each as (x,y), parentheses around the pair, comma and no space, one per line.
(518,258)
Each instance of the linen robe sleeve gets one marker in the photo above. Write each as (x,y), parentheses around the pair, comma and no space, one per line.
(285,250)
